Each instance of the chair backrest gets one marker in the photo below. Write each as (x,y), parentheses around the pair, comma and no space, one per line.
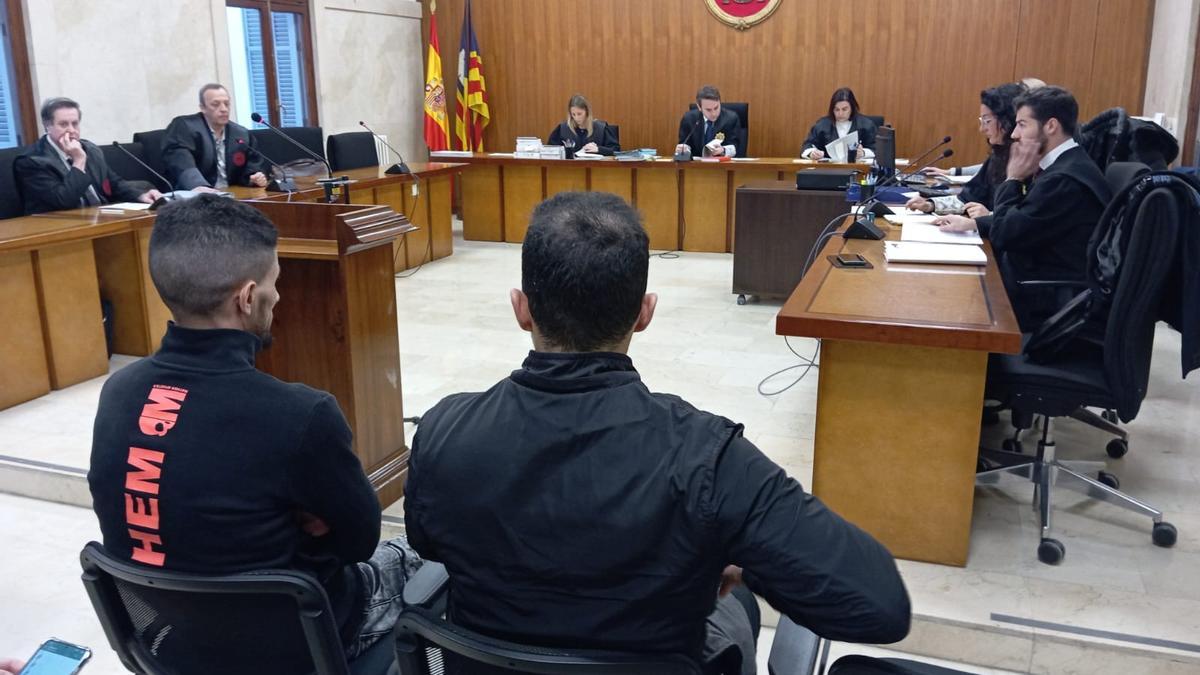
(743,112)
(126,167)
(877,119)
(1145,267)
(275,621)
(1120,174)
(616,129)
(152,148)
(10,193)
(352,150)
(279,150)
(427,644)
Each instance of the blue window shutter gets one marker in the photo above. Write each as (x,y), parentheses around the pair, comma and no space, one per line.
(288,71)
(255,61)
(8,119)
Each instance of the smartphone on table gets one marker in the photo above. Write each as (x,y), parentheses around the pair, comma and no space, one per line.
(56,657)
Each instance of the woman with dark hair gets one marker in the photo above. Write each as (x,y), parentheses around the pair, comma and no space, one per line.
(997,119)
(842,119)
(588,133)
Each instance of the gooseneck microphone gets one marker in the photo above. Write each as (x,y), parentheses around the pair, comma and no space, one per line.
(283,184)
(917,162)
(168,196)
(259,119)
(398,167)
(687,156)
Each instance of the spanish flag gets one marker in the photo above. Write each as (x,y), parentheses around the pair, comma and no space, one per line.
(437,127)
(473,112)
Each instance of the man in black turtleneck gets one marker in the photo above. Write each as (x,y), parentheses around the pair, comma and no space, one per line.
(573,507)
(203,464)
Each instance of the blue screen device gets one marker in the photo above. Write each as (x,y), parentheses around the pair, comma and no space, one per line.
(56,657)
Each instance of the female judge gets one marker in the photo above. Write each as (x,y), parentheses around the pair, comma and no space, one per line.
(842,119)
(588,133)
(997,119)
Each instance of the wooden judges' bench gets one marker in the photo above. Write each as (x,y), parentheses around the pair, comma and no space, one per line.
(688,202)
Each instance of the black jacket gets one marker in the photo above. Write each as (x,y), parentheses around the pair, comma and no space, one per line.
(824,132)
(190,157)
(572,506)
(691,130)
(602,135)
(48,185)
(230,456)
(1040,230)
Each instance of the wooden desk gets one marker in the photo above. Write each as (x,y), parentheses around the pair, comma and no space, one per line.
(903,360)
(688,202)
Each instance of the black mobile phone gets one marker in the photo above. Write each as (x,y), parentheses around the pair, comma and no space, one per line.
(57,657)
(850,260)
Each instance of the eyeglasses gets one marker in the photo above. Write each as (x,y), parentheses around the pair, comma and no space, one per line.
(986,120)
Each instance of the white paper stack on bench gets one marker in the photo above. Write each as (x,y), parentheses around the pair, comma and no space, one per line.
(941,254)
(931,234)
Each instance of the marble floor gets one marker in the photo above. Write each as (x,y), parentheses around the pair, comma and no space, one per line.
(1004,612)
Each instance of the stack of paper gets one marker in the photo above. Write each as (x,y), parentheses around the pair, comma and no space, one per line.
(124,206)
(450,153)
(910,217)
(932,234)
(922,252)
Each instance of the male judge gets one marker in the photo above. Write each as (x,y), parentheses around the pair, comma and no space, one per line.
(709,130)
(208,153)
(63,171)
(1047,207)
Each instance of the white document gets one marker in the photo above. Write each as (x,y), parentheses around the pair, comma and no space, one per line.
(579,154)
(934,235)
(451,153)
(125,206)
(744,159)
(906,218)
(922,252)
(960,180)
(838,150)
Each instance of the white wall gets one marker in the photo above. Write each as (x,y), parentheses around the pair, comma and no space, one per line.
(1172,51)
(135,64)
(131,64)
(370,67)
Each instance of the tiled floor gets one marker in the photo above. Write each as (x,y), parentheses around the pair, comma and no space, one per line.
(457,333)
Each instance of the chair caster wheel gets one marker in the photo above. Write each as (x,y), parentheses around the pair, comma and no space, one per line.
(1051,551)
(1117,448)
(1164,535)
(741,300)
(1012,445)
(1109,479)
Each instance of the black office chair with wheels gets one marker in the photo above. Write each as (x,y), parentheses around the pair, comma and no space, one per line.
(1105,367)
(127,168)
(280,150)
(743,112)
(352,150)
(152,148)
(10,192)
(273,621)
(877,119)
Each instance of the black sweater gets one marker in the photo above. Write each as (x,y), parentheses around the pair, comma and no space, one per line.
(201,463)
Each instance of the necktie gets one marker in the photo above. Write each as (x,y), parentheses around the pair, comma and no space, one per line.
(89,198)
(708,132)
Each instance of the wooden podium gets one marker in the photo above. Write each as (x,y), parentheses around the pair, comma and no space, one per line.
(335,324)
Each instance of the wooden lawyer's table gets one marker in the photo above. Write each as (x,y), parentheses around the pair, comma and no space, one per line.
(903,359)
(685,205)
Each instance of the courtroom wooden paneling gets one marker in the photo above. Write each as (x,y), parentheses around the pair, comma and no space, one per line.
(22,346)
(482,204)
(617,181)
(658,201)
(119,268)
(522,192)
(937,58)
(72,325)
(157,315)
(567,179)
(437,199)
(740,178)
(705,210)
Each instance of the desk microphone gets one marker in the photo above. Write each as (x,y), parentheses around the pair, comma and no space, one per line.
(260,120)
(168,196)
(875,205)
(398,167)
(285,184)
(687,156)
(923,155)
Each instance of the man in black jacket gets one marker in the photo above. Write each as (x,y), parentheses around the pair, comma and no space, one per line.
(63,171)
(709,129)
(208,153)
(1046,209)
(201,463)
(573,507)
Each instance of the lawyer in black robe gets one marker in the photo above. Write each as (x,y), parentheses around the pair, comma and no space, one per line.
(47,184)
(190,156)
(602,135)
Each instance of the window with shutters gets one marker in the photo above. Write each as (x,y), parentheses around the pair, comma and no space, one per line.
(270,50)
(17,126)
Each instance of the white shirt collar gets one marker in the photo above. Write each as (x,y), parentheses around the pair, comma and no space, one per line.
(843,128)
(1054,154)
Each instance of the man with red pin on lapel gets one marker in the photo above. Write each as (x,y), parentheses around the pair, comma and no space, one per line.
(206,152)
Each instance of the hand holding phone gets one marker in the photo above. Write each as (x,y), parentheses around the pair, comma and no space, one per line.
(57,657)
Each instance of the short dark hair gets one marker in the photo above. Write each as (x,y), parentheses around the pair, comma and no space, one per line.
(844,94)
(209,87)
(708,93)
(53,105)
(1051,102)
(584,264)
(203,248)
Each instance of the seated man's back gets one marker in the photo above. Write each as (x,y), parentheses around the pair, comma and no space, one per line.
(573,507)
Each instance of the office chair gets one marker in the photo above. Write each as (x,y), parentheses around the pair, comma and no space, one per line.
(10,192)
(152,148)
(616,133)
(352,150)
(1108,371)
(877,119)
(279,150)
(273,621)
(128,169)
(743,112)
